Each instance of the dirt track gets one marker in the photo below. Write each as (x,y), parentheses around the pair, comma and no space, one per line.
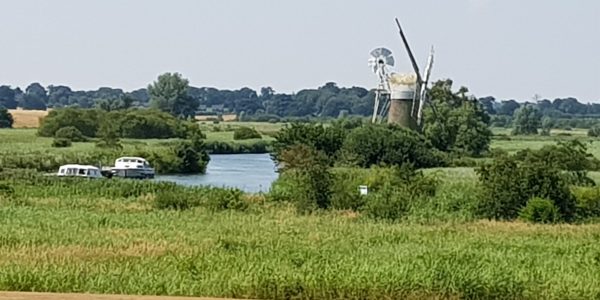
(52,296)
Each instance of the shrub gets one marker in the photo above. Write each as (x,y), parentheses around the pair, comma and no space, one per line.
(509,183)
(329,140)
(387,145)
(594,131)
(71,133)
(539,210)
(587,203)
(132,123)
(6,119)
(193,156)
(61,143)
(85,120)
(308,169)
(245,133)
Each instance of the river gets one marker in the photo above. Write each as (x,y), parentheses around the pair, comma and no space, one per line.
(251,173)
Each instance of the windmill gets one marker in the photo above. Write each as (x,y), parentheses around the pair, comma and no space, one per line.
(404,96)
(381,61)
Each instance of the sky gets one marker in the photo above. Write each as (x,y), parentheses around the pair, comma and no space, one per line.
(509,49)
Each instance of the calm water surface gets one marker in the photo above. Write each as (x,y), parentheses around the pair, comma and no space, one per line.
(249,172)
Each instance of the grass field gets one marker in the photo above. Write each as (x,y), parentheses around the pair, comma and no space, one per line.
(62,245)
(64,239)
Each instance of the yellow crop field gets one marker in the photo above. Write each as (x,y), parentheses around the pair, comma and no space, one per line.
(27,118)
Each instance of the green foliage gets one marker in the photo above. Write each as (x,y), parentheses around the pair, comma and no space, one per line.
(70,133)
(308,169)
(539,210)
(509,183)
(109,136)
(85,120)
(226,199)
(176,200)
(387,145)
(594,131)
(329,140)
(170,94)
(222,147)
(6,191)
(245,133)
(134,123)
(61,143)
(192,155)
(458,123)
(6,119)
(570,156)
(587,205)
(527,120)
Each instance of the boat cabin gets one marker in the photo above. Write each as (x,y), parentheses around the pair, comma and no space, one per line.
(131,163)
(132,167)
(79,171)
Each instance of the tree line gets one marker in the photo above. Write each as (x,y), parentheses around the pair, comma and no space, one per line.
(329,100)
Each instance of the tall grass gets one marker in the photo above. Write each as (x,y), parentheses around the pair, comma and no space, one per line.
(280,255)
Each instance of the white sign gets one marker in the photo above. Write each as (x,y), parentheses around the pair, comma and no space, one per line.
(363,189)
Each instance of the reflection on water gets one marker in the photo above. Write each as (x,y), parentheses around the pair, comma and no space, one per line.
(249,172)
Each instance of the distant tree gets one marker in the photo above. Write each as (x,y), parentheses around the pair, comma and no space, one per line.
(488,104)
(169,94)
(527,120)
(58,96)
(508,107)
(7,97)
(35,97)
(6,119)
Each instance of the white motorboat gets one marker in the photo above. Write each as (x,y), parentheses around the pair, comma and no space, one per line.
(132,167)
(79,171)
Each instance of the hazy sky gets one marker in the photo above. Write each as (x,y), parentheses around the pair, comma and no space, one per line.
(504,48)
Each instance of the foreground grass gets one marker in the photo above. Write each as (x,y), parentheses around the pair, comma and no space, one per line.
(124,246)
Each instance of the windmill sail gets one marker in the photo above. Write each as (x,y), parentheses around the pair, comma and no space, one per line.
(423,94)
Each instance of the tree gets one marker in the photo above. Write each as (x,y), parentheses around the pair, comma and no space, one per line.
(527,120)
(508,107)
(6,119)
(109,135)
(193,155)
(7,97)
(35,97)
(169,94)
(459,123)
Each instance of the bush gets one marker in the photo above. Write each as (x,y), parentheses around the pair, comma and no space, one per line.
(587,203)
(6,119)
(594,131)
(85,120)
(539,210)
(245,133)
(387,145)
(509,183)
(329,140)
(132,123)
(61,143)
(308,169)
(71,133)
